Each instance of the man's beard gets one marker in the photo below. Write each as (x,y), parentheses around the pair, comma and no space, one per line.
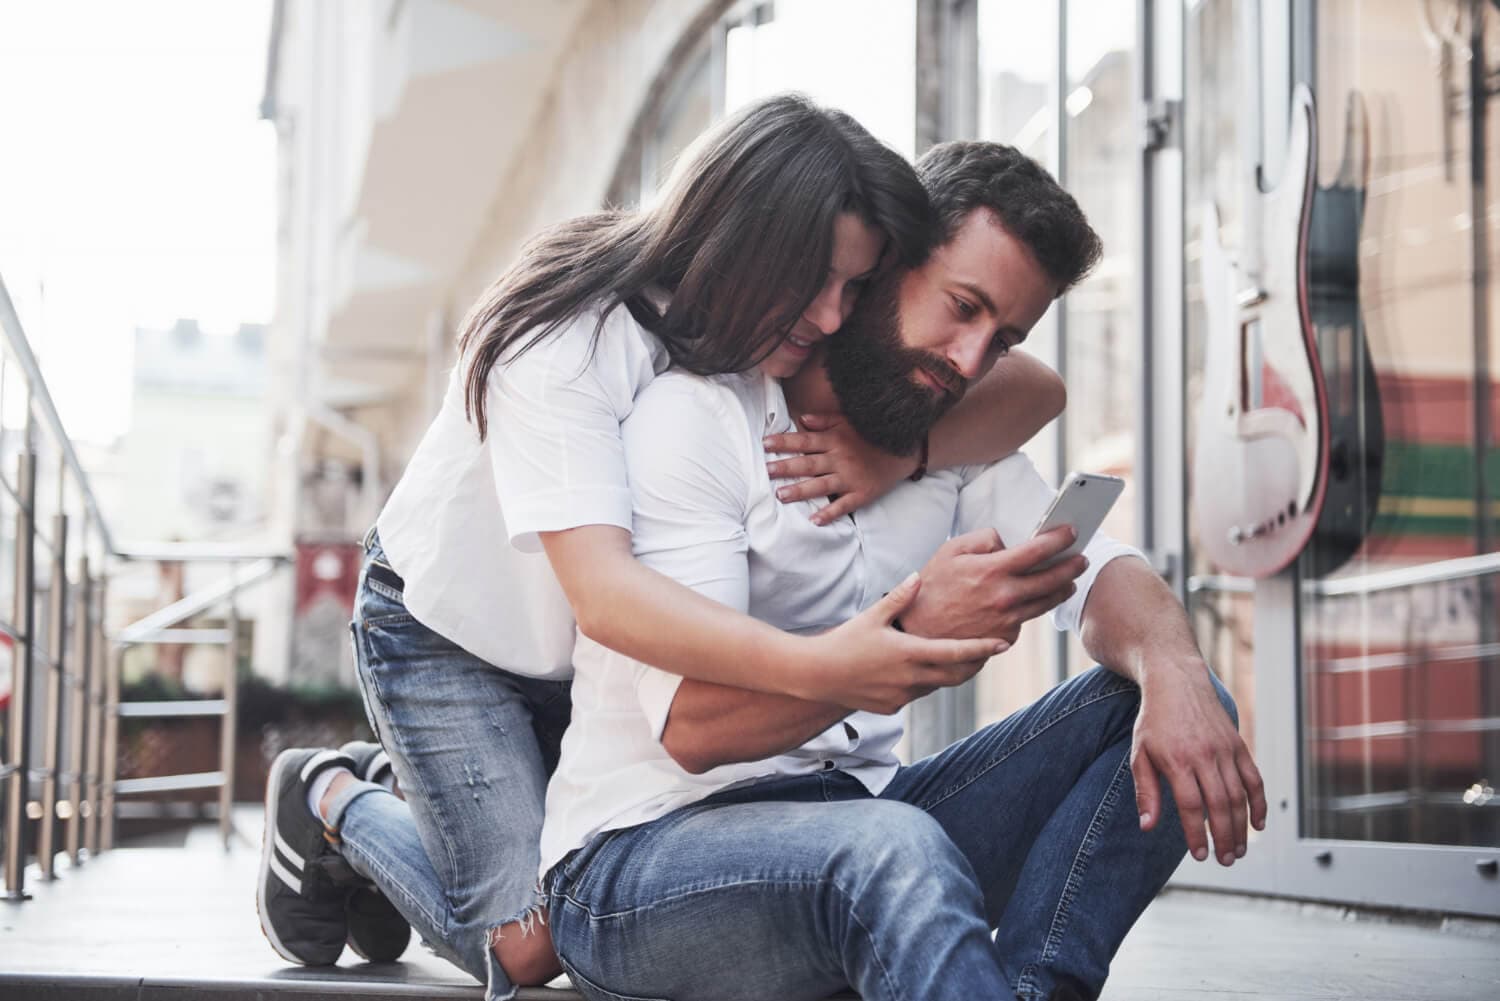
(872,372)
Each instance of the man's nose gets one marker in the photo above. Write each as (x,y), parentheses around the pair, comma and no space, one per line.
(967,356)
(824,312)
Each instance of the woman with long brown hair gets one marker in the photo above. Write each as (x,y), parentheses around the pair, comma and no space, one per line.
(464,631)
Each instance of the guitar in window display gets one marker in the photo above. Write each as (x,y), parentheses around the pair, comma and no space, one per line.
(1356,427)
(1260,462)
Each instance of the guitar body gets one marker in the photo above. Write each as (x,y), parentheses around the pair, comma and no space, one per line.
(1356,427)
(1260,459)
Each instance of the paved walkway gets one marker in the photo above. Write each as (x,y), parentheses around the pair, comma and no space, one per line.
(147,923)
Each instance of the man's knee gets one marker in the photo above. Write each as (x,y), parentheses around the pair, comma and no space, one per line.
(887,841)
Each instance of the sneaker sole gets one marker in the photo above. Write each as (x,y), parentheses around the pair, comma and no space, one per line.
(273,784)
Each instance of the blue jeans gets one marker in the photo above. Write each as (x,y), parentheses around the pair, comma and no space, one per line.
(799,887)
(473,747)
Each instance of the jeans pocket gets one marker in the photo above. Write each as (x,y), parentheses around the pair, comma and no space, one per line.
(362,683)
(390,621)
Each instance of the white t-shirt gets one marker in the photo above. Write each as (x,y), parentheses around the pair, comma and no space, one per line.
(553,460)
(705,514)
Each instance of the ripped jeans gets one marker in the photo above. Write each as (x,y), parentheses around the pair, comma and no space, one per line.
(1008,865)
(472,746)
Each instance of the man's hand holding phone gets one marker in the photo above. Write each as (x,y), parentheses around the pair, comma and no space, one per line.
(974,586)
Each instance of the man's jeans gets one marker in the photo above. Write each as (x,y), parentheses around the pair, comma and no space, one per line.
(798,887)
(472,746)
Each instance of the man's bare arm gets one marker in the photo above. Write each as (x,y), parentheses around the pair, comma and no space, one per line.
(1134,625)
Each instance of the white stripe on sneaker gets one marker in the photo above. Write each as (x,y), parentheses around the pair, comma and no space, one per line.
(291,856)
(317,761)
(284,876)
(378,764)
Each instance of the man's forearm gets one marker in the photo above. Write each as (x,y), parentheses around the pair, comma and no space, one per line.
(1184,733)
(1134,625)
(711,725)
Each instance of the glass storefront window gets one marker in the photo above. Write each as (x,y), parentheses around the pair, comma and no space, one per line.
(1222,611)
(683,112)
(1017,75)
(855,55)
(1401,665)
(1102,340)
(1023,97)
(1398,654)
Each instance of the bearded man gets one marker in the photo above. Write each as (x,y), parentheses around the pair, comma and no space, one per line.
(709,842)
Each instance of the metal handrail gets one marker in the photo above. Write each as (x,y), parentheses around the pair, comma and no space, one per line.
(143,630)
(1440,572)
(15,338)
(66,677)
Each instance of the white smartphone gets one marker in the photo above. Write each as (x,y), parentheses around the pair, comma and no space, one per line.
(1083,501)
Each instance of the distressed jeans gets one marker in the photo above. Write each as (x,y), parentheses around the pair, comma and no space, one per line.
(1007,864)
(472,746)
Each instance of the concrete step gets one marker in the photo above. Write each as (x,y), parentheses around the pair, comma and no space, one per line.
(178,921)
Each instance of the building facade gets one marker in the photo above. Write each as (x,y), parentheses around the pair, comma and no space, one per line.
(423,141)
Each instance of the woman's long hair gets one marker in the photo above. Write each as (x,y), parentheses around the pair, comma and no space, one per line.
(740,240)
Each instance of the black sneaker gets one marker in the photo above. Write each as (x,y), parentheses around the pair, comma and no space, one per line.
(377,931)
(301,908)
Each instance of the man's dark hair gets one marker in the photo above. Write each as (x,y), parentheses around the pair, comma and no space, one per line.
(963,176)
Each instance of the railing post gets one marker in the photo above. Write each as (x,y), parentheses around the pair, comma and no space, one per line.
(17,788)
(229,720)
(79,713)
(111,750)
(98,668)
(52,721)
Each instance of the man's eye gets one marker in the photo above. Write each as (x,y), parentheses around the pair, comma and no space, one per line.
(964,309)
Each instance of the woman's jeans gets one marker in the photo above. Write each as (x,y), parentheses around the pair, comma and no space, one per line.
(472,746)
(797,887)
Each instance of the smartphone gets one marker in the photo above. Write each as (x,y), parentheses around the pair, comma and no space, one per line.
(1083,501)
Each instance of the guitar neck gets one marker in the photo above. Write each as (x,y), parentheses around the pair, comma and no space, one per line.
(1251,132)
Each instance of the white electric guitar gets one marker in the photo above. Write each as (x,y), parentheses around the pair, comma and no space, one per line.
(1261,457)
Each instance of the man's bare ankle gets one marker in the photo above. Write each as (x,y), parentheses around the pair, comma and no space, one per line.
(341,779)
